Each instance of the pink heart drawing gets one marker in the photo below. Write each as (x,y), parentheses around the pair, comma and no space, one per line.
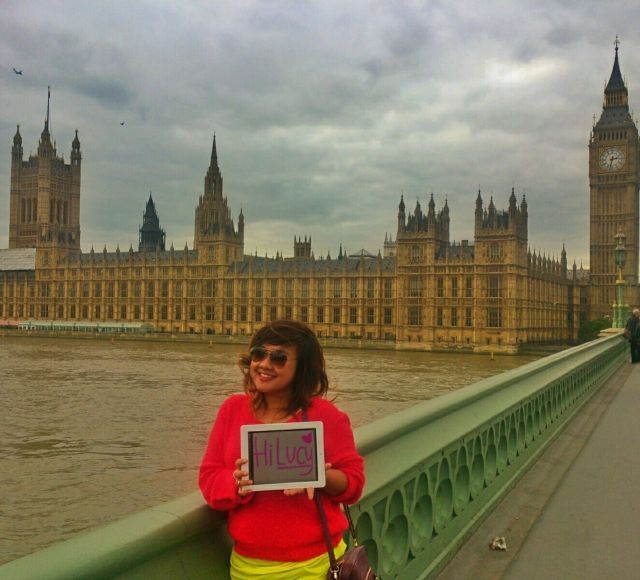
(307,438)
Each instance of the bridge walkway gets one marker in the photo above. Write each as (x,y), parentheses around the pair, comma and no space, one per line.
(576,513)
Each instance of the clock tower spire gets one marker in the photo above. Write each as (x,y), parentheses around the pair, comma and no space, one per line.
(614,181)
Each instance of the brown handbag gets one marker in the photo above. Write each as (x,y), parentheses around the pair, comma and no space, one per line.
(354,564)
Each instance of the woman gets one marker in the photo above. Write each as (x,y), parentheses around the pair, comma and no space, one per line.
(277,534)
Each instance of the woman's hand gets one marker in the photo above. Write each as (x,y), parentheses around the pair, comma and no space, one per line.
(240,473)
(336,483)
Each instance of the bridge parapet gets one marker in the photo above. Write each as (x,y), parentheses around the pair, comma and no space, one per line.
(433,472)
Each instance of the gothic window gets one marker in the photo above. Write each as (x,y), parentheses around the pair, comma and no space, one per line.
(97,289)
(495,252)
(370,315)
(164,312)
(353,288)
(321,286)
(370,287)
(468,290)
(136,312)
(439,316)
(151,289)
(493,287)
(273,313)
(258,288)
(137,289)
(454,287)
(123,289)
(165,290)
(274,289)
(454,317)
(468,317)
(336,288)
(320,314)
(178,290)
(388,316)
(305,288)
(192,312)
(208,312)
(244,288)
(288,288)
(336,315)
(257,316)
(229,290)
(415,315)
(209,289)
(304,314)
(494,317)
(416,254)
(388,288)
(415,287)
(440,287)
(229,313)
(288,312)
(353,315)
(243,313)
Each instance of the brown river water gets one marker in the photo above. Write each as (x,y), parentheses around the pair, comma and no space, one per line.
(92,430)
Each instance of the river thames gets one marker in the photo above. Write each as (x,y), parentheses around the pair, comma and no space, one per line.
(93,430)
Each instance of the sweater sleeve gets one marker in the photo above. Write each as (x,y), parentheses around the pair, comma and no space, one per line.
(342,454)
(216,479)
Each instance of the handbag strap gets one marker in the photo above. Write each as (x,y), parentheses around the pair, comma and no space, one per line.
(333,568)
(333,563)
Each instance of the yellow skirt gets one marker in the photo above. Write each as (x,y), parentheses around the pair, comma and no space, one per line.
(243,568)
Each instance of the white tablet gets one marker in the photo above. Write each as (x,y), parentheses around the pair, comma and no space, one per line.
(284,455)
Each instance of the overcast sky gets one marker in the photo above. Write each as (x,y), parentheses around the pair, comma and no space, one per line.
(325,111)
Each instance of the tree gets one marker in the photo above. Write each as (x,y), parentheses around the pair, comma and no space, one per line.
(591,329)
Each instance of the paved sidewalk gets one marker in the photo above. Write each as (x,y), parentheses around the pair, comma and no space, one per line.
(576,513)
(591,526)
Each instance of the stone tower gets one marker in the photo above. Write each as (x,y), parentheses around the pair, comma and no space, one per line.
(216,239)
(614,177)
(152,236)
(44,207)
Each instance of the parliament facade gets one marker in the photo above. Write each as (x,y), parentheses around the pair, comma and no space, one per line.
(424,291)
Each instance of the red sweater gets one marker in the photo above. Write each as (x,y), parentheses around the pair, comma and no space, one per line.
(268,524)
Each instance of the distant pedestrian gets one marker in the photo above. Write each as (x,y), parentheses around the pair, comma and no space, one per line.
(632,334)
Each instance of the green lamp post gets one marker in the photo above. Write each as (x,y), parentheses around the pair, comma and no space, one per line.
(620,254)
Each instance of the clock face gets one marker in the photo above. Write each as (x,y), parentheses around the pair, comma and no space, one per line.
(612,158)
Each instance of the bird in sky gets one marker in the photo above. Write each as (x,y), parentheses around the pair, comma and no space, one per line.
(122,123)
(18,72)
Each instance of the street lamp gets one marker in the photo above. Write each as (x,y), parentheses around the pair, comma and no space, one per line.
(620,255)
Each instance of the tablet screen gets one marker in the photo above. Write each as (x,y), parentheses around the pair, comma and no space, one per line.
(284,455)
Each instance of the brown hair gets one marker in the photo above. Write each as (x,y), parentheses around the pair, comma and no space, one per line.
(310,379)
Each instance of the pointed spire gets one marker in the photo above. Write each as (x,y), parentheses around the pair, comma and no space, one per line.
(214,153)
(17,138)
(46,123)
(616,82)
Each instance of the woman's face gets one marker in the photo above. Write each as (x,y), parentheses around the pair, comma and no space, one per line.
(272,378)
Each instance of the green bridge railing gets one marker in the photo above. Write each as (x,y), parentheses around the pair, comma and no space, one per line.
(433,472)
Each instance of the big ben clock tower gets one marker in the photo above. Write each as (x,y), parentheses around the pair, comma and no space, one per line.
(614,179)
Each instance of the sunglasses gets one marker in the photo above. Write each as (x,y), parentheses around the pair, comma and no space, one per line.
(278,357)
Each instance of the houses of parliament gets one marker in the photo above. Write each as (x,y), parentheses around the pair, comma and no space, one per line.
(424,291)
